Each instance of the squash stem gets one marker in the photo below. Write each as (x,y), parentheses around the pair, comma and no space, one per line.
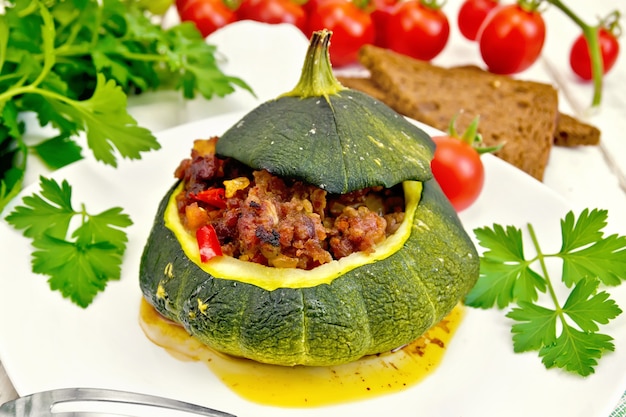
(317,78)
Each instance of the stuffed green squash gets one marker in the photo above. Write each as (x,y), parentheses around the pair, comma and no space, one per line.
(310,233)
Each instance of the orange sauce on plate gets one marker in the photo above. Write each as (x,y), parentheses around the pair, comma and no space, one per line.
(305,386)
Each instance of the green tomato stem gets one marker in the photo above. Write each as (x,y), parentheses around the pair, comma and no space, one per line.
(471,136)
(529,5)
(591,35)
(434,4)
(597,66)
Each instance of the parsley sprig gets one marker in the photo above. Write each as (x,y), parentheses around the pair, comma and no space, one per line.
(73,63)
(81,262)
(566,335)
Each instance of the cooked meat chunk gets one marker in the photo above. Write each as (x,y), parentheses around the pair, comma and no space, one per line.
(281,222)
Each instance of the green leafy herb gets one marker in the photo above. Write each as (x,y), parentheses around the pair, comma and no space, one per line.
(79,263)
(565,335)
(72,63)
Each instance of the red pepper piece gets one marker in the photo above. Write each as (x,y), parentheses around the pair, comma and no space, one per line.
(208,243)
(212,196)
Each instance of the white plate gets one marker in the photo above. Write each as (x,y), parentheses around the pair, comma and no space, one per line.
(46,342)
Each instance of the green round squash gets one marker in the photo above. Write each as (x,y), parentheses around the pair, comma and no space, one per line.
(358,305)
(351,309)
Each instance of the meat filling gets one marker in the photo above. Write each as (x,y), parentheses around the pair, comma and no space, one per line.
(260,217)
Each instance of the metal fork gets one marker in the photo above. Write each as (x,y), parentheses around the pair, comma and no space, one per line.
(42,404)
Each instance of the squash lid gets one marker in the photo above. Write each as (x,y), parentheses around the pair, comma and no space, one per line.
(325,134)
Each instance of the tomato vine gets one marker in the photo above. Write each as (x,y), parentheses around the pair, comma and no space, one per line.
(591,34)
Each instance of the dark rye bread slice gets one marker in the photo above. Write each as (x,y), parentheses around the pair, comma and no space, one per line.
(520,114)
(569,131)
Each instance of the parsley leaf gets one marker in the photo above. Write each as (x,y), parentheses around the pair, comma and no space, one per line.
(576,351)
(565,336)
(588,308)
(79,263)
(49,212)
(537,326)
(58,151)
(585,253)
(107,123)
(509,274)
(72,63)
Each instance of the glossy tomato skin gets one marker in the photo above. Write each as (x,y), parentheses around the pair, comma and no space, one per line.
(458,169)
(511,39)
(309,6)
(272,11)
(352,28)
(207,15)
(417,30)
(579,58)
(472,14)
(381,14)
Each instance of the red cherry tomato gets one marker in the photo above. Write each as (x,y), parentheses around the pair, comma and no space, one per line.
(472,14)
(511,39)
(458,169)
(580,60)
(309,6)
(272,11)
(208,15)
(380,18)
(417,29)
(352,28)
(383,4)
